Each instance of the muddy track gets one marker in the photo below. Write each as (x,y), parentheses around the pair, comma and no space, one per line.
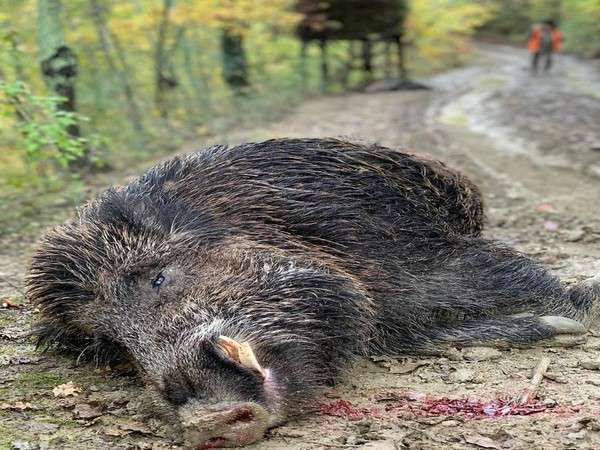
(532,143)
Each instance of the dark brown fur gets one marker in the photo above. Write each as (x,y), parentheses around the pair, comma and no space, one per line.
(314,250)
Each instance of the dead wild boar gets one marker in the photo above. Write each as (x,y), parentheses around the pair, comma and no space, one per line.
(239,281)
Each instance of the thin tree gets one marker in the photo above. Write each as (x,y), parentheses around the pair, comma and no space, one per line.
(58,64)
(164,81)
(105,38)
(235,65)
(399,38)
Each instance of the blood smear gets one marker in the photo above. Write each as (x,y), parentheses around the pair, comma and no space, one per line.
(423,405)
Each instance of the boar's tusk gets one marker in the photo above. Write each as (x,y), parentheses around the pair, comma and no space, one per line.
(240,353)
(247,358)
(230,347)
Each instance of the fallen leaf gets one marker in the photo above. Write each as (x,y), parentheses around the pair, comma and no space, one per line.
(66,390)
(8,303)
(17,406)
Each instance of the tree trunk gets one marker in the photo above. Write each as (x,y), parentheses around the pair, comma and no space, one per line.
(367,58)
(388,60)
(105,39)
(15,56)
(196,81)
(235,66)
(399,38)
(58,64)
(324,65)
(163,81)
(402,73)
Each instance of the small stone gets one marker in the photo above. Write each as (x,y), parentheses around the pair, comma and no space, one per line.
(85,411)
(574,235)
(463,376)
(364,426)
(577,402)
(590,423)
(387,444)
(450,423)
(135,427)
(21,445)
(556,378)
(576,436)
(114,432)
(549,402)
(590,365)
(481,354)
(351,440)
(42,427)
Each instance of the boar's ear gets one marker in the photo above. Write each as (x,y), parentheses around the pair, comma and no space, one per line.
(240,353)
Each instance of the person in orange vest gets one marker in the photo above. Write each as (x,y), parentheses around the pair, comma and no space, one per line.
(544,40)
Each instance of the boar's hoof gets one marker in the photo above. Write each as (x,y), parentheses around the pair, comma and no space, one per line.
(567,332)
(563,325)
(224,425)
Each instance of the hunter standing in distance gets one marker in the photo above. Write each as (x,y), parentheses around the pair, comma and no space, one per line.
(544,40)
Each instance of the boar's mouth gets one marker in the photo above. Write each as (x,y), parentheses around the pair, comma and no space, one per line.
(224,425)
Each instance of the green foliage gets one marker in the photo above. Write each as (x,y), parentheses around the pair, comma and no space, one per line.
(441,30)
(581,26)
(44,127)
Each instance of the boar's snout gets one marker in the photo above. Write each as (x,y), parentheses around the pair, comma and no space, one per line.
(224,424)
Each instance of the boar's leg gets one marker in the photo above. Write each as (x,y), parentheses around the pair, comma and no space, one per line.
(553,331)
(478,293)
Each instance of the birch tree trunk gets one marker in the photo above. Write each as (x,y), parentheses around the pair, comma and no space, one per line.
(106,39)
(58,64)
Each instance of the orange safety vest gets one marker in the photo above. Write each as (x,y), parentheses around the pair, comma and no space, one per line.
(535,39)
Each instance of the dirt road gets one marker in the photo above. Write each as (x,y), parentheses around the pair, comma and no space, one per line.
(533,144)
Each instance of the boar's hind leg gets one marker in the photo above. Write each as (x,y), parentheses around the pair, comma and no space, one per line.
(489,295)
(528,331)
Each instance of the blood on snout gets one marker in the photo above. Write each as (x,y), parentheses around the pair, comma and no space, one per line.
(227,425)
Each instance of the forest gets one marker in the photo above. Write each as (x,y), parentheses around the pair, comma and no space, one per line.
(141,77)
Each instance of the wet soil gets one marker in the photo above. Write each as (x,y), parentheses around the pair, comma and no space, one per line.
(532,142)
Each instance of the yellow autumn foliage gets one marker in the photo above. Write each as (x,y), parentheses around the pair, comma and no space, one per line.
(440,30)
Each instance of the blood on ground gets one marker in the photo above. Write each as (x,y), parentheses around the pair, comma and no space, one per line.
(419,404)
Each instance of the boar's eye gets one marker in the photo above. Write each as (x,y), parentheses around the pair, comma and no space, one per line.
(158,281)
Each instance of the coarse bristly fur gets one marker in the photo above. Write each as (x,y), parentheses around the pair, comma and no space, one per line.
(314,251)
